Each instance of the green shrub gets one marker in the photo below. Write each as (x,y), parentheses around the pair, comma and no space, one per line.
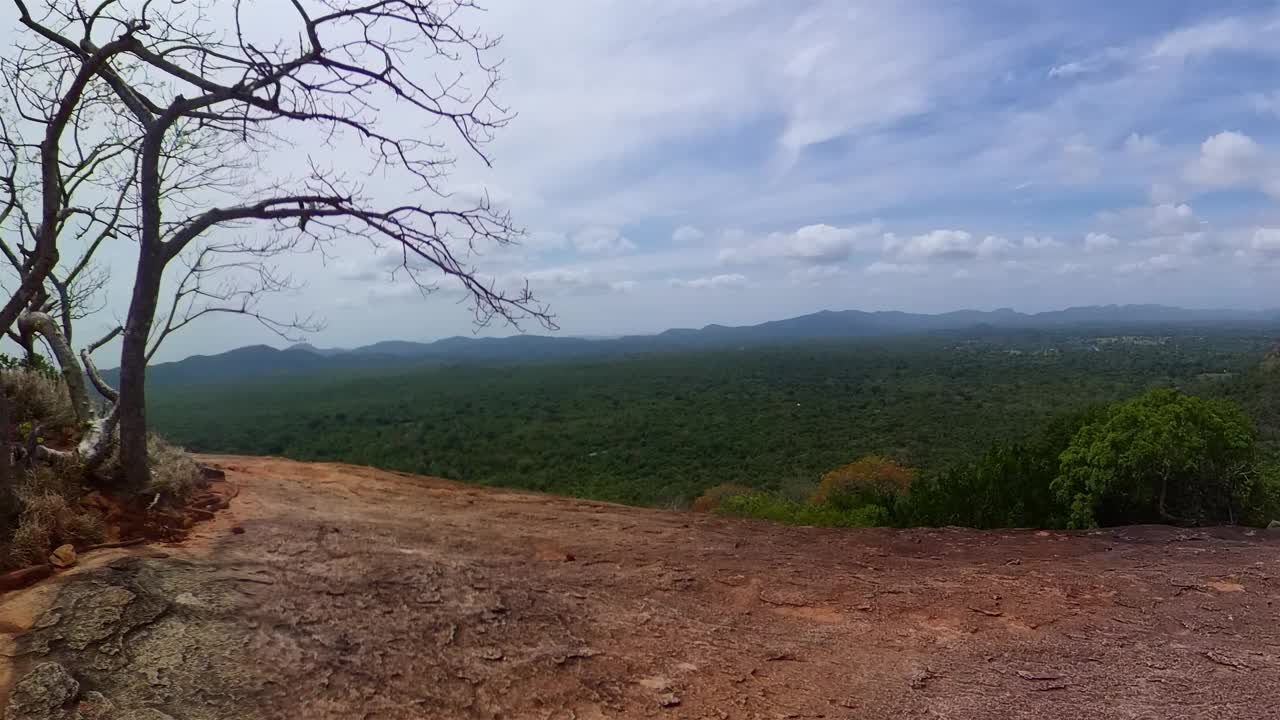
(1263,503)
(1011,485)
(713,497)
(1163,456)
(767,506)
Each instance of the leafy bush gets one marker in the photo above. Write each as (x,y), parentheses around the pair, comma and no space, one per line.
(1162,457)
(1011,485)
(768,506)
(871,480)
(1263,503)
(36,362)
(715,496)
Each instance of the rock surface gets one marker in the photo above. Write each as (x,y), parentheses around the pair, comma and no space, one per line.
(43,694)
(353,593)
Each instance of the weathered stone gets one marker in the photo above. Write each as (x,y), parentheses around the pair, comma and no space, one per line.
(42,694)
(94,706)
(64,557)
(143,714)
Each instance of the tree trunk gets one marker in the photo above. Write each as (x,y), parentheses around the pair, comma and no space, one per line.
(132,407)
(8,493)
(30,323)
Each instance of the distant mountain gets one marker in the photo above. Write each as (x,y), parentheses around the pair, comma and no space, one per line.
(323,352)
(261,360)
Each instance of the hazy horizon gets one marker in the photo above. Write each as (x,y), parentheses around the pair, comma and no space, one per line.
(311,341)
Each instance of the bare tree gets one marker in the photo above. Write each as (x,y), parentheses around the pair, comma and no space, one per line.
(65,183)
(210,87)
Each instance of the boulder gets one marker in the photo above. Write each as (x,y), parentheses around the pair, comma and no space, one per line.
(42,694)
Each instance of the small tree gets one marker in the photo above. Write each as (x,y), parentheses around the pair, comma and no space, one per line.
(1162,457)
(870,480)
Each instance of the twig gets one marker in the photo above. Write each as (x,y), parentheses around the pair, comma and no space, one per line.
(110,545)
(1221,659)
(988,613)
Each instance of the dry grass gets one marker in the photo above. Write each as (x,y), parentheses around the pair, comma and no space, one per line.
(38,397)
(50,517)
(49,494)
(173,473)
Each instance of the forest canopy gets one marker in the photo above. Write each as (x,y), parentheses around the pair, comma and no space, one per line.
(977,423)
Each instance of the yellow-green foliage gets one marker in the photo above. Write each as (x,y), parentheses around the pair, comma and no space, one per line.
(715,495)
(870,479)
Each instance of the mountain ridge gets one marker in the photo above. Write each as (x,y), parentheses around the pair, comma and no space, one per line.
(264,360)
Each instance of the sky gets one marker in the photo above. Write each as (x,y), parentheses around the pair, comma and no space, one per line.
(678,163)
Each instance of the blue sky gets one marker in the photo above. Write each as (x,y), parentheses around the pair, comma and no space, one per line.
(679,163)
(925,156)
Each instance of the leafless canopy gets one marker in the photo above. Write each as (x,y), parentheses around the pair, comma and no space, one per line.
(213,88)
(213,106)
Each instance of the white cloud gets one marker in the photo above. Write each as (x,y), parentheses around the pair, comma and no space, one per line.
(1069,268)
(1169,219)
(1099,242)
(1161,220)
(545,241)
(812,244)
(993,245)
(1070,69)
(889,268)
(1165,262)
(1162,193)
(1218,35)
(822,244)
(602,241)
(1138,144)
(687,235)
(711,282)
(1081,162)
(1266,242)
(935,245)
(1032,242)
(1228,159)
(393,292)
(567,281)
(816,274)
(955,245)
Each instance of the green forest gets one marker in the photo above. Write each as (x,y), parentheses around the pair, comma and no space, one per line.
(661,429)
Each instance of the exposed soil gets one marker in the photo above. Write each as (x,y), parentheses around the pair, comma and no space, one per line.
(132,521)
(330,591)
